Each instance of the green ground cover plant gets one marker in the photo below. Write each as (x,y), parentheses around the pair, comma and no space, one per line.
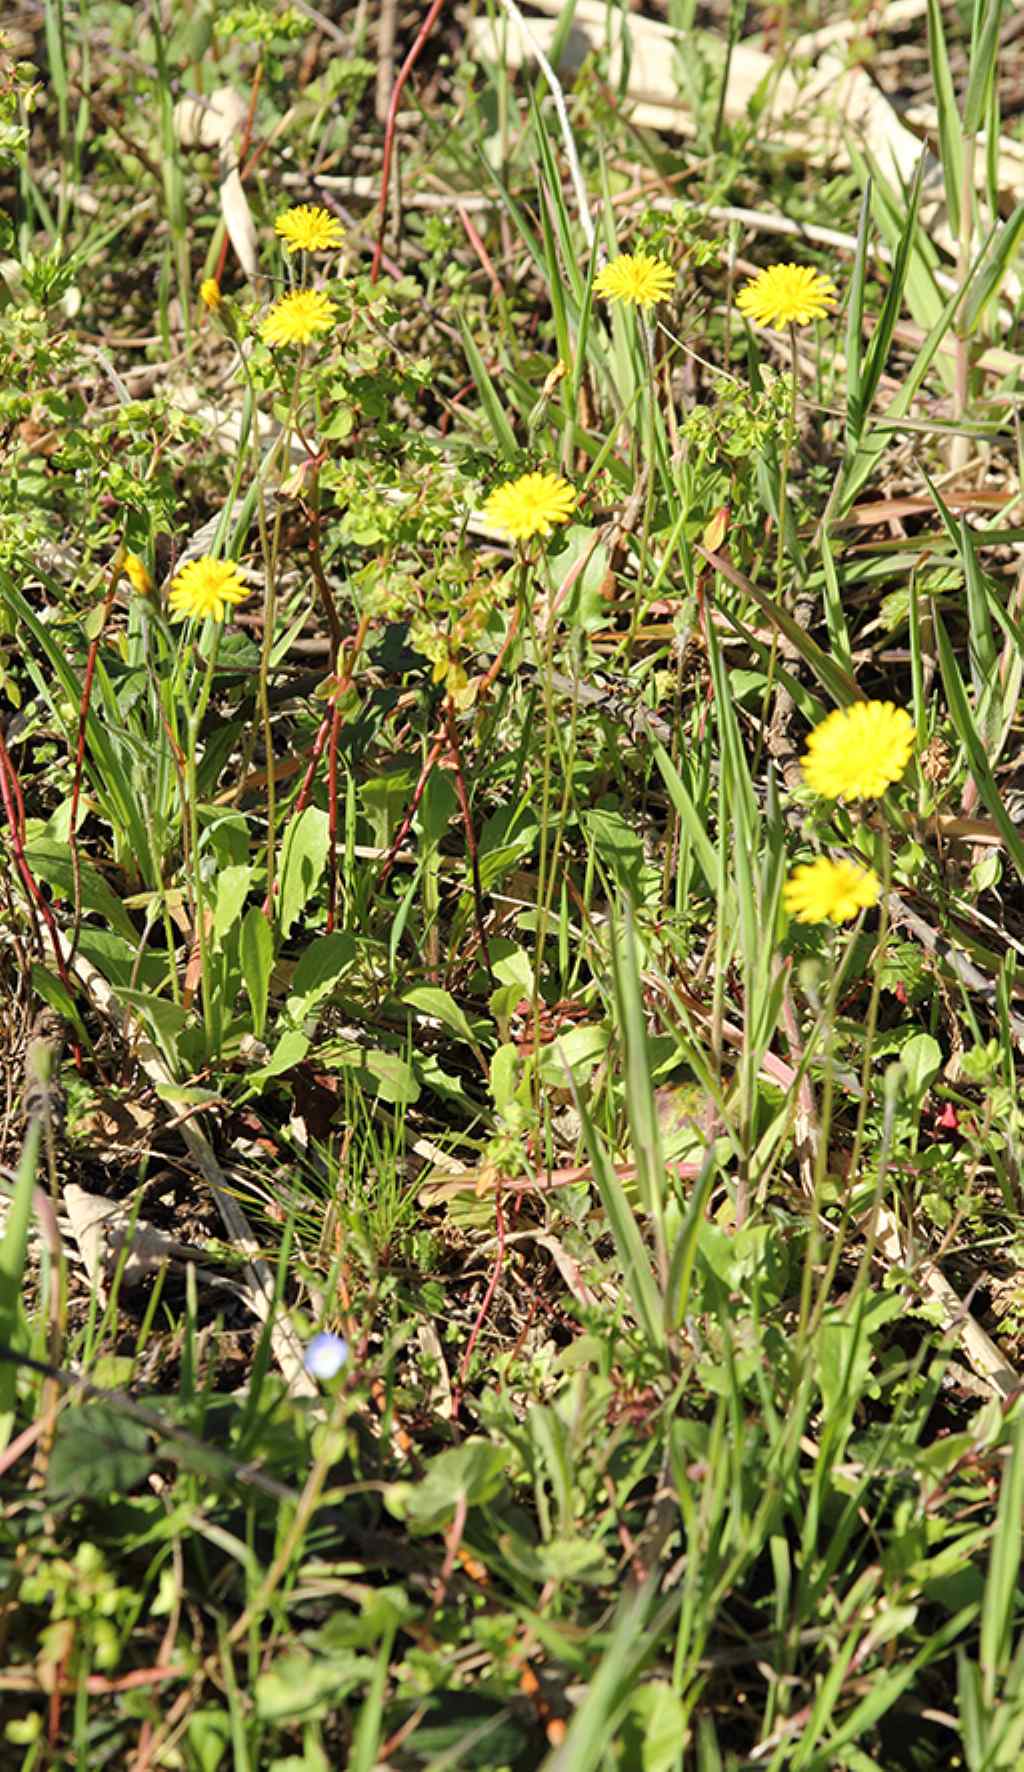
(510,676)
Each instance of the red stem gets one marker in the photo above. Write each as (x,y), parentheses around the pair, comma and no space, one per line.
(403,829)
(10,792)
(389,129)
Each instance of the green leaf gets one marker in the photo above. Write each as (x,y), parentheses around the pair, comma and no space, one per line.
(303,858)
(653,1728)
(51,862)
(290,1050)
(13,1247)
(54,991)
(687,811)
(619,846)
(384,800)
(970,739)
(1001,1600)
(951,139)
(209,1737)
(578,1050)
(98,1453)
(877,351)
(920,1058)
(473,1473)
(845,1348)
(164,1018)
(996,261)
(230,893)
(301,1686)
(256,956)
(494,408)
(389,1077)
(984,52)
(441,1005)
(576,575)
(318,971)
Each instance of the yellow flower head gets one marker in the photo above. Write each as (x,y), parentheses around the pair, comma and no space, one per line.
(786,295)
(206,587)
(859,751)
(826,891)
(297,318)
(209,294)
(531,505)
(137,576)
(635,278)
(308,229)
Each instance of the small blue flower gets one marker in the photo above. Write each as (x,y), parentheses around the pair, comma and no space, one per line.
(326,1355)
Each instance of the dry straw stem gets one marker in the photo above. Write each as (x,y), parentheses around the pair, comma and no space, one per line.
(217,122)
(257,1279)
(988,1361)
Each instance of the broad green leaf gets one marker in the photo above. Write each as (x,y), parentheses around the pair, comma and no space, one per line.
(98,1454)
(290,1050)
(441,1005)
(920,1058)
(231,889)
(164,1018)
(578,1050)
(256,957)
(301,1686)
(303,858)
(473,1473)
(51,862)
(318,971)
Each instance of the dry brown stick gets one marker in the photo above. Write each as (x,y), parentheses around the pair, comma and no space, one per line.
(385,58)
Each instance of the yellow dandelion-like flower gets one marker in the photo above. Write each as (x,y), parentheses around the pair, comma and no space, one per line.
(635,278)
(137,576)
(531,505)
(786,295)
(209,294)
(206,587)
(826,891)
(297,318)
(308,229)
(859,751)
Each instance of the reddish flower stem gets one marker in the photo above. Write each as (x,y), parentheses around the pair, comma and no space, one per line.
(403,830)
(14,807)
(389,129)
